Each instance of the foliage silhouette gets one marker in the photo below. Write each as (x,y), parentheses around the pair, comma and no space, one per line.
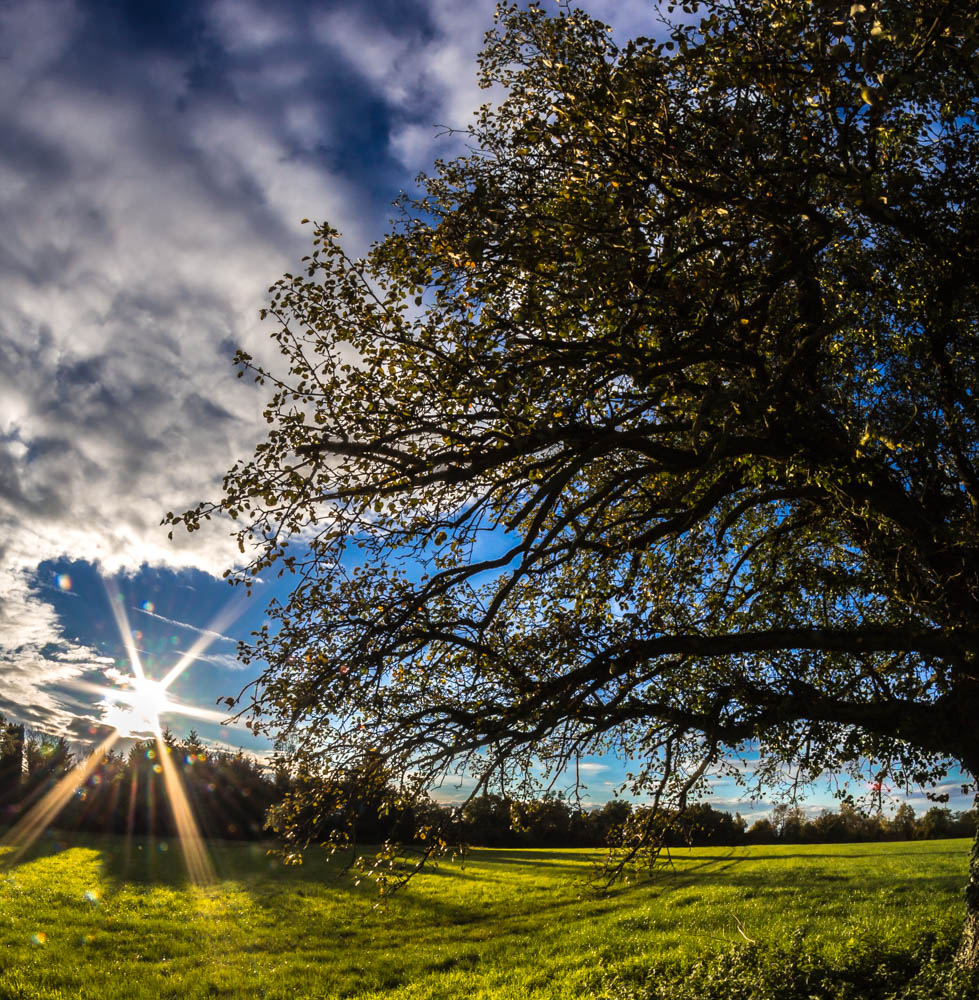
(670,386)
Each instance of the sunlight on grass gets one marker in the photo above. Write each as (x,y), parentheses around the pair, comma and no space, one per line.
(192,846)
(84,918)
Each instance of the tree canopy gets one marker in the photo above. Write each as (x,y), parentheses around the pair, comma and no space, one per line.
(651,425)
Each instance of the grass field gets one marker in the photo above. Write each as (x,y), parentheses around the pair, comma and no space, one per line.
(110,919)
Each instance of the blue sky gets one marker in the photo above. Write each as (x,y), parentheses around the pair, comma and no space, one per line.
(155,163)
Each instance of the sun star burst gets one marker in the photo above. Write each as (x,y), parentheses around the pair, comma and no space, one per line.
(132,708)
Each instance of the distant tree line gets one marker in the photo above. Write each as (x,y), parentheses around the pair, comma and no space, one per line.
(790,825)
(235,797)
(228,792)
(558,822)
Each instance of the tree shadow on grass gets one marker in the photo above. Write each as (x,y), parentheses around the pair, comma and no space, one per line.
(105,847)
(538,857)
(147,860)
(159,861)
(51,842)
(567,877)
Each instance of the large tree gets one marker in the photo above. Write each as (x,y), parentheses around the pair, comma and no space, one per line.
(651,426)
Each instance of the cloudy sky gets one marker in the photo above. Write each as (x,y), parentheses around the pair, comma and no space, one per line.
(155,163)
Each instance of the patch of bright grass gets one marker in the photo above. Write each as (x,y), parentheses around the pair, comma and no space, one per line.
(108,918)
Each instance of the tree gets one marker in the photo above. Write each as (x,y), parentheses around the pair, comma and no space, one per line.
(761,832)
(11,766)
(487,821)
(546,821)
(700,823)
(901,826)
(608,821)
(828,828)
(936,824)
(46,758)
(788,821)
(669,388)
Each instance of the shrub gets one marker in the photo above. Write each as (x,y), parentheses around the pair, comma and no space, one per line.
(796,971)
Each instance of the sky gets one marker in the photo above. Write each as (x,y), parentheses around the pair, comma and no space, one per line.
(156,161)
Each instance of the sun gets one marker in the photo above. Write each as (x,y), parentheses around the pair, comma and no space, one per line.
(149,697)
(132,709)
(136,709)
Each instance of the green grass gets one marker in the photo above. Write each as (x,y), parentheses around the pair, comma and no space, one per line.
(86,917)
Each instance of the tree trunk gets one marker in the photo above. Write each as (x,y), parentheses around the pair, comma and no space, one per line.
(968,954)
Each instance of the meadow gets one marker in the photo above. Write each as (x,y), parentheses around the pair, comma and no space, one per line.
(111,918)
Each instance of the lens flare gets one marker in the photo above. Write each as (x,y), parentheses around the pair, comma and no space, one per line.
(23,834)
(132,708)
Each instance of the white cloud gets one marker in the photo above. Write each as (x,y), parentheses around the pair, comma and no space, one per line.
(427,78)
(227,661)
(627,18)
(142,226)
(34,653)
(43,30)
(243,25)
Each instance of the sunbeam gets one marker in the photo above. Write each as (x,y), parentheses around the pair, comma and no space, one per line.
(199,867)
(23,834)
(122,623)
(133,708)
(200,646)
